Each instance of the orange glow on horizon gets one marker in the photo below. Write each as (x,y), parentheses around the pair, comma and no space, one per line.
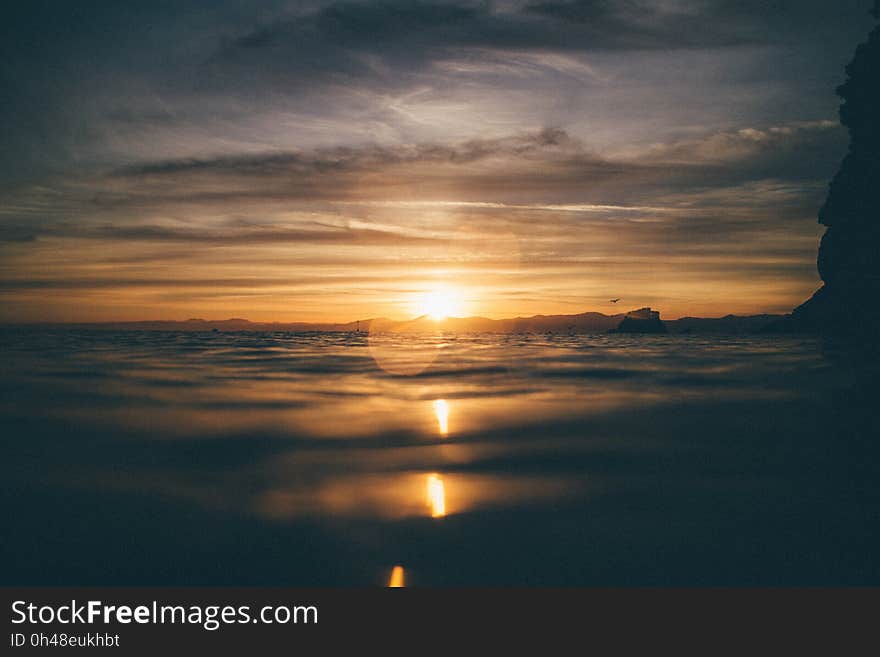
(440,303)
(254,286)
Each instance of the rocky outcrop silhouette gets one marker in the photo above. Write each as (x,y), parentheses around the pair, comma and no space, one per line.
(847,306)
(643,320)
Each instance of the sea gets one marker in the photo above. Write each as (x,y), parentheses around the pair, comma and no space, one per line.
(327,459)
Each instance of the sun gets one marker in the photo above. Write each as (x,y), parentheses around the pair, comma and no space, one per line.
(439,303)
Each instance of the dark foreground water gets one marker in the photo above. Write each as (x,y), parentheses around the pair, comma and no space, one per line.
(304,459)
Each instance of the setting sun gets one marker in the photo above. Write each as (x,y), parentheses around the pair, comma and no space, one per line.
(440,303)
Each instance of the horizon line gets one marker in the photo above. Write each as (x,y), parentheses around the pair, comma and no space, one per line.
(368,319)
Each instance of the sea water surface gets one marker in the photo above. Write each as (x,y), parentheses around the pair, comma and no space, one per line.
(329,458)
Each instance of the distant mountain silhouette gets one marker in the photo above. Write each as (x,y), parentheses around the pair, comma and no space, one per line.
(590,322)
(738,324)
(846,306)
(635,321)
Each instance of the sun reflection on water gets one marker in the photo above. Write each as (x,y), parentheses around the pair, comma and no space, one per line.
(396,580)
(441,410)
(436,496)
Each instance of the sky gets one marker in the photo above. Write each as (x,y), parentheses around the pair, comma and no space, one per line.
(329,161)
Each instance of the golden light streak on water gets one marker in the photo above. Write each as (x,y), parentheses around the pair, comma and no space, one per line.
(441,410)
(396,580)
(436,496)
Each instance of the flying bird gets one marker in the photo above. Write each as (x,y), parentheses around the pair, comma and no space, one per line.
(614,300)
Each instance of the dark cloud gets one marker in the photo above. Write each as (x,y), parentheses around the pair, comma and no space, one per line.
(699,21)
(796,152)
(240,233)
(419,29)
(783,168)
(10,232)
(326,161)
(385,43)
(253,282)
(76,74)
(543,167)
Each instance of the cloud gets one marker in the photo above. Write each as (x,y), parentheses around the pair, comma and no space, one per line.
(10,232)
(326,161)
(89,88)
(752,143)
(240,234)
(352,40)
(547,167)
(425,29)
(388,41)
(312,196)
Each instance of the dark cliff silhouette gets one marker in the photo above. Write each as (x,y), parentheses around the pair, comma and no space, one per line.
(845,310)
(846,306)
